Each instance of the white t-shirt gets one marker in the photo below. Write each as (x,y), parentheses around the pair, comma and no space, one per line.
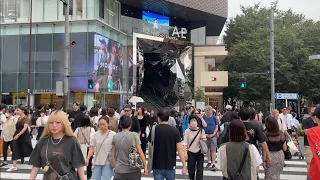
(45,120)
(3,119)
(102,149)
(282,125)
(255,157)
(287,120)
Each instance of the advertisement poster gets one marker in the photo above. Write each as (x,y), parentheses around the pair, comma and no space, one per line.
(108,64)
(155,19)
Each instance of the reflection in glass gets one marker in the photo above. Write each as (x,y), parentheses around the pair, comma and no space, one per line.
(79,8)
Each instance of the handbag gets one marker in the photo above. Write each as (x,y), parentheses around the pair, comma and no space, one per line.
(244,157)
(134,158)
(292,146)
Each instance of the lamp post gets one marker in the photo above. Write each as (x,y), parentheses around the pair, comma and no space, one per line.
(30,54)
(273,101)
(66,74)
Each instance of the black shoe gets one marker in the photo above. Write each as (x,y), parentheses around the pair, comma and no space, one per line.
(3,164)
(208,165)
(214,168)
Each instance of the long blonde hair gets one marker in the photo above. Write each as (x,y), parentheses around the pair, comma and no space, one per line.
(274,112)
(61,117)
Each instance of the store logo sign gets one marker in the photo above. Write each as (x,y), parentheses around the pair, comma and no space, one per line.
(179,34)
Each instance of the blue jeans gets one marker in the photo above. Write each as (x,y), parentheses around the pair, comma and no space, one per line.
(160,174)
(102,172)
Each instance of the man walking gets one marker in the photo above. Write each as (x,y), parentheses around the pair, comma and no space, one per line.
(307,124)
(287,120)
(167,142)
(211,134)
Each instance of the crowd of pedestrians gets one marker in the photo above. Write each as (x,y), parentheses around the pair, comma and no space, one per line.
(107,144)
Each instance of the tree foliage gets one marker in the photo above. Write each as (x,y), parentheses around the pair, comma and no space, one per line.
(199,95)
(247,38)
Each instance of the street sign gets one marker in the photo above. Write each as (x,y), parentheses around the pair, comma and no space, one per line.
(286,96)
(314,57)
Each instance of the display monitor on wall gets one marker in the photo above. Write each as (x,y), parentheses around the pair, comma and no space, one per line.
(155,19)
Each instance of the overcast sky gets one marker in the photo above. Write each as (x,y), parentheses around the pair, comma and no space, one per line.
(310,8)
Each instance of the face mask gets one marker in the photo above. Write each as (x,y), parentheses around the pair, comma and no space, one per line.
(7,114)
(193,124)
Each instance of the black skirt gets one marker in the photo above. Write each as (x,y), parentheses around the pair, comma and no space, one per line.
(22,147)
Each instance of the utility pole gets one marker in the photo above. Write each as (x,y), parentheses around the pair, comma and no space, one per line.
(66,55)
(30,51)
(272,59)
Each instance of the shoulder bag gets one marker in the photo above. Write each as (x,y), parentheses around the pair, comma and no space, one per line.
(244,157)
(134,158)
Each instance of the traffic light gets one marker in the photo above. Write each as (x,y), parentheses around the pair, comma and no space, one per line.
(90,83)
(242,82)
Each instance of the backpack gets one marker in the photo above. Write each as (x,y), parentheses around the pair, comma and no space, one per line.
(250,138)
(224,136)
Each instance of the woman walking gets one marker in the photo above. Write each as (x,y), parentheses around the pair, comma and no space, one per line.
(21,144)
(192,138)
(100,145)
(122,143)
(84,133)
(41,122)
(58,151)
(9,128)
(276,144)
(233,153)
(143,126)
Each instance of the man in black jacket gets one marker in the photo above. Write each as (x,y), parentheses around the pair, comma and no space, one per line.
(79,117)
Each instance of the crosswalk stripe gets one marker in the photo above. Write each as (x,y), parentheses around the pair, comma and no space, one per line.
(295,169)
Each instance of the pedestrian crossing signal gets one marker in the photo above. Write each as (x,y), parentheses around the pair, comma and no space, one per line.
(242,82)
(90,83)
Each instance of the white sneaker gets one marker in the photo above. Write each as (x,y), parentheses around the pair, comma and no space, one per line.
(12,169)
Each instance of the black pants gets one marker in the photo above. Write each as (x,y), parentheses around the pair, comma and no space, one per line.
(5,149)
(195,164)
(144,142)
(89,167)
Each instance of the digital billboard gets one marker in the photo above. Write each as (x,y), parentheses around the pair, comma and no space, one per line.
(155,19)
(108,64)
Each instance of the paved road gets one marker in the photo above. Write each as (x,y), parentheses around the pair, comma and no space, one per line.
(295,170)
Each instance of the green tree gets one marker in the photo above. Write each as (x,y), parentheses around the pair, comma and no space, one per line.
(199,95)
(247,39)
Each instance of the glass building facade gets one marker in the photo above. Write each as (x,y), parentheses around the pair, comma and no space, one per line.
(88,20)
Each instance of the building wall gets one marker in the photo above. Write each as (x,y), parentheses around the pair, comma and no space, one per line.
(107,11)
(47,58)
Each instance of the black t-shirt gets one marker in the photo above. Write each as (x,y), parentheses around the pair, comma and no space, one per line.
(226,118)
(143,124)
(307,124)
(165,147)
(64,157)
(135,127)
(254,133)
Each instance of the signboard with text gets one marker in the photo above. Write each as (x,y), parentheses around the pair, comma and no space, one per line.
(293,96)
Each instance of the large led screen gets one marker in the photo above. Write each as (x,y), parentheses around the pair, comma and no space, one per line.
(108,64)
(155,19)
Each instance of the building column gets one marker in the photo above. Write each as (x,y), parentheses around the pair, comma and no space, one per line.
(88,99)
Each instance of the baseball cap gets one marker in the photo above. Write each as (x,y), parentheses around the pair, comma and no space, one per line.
(228,107)
(316,112)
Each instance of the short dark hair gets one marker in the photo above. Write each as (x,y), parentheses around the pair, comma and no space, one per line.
(83,107)
(192,117)
(163,115)
(11,110)
(104,118)
(237,131)
(244,114)
(252,113)
(234,115)
(85,121)
(94,112)
(103,112)
(191,107)
(24,110)
(75,103)
(110,112)
(272,125)
(127,106)
(125,122)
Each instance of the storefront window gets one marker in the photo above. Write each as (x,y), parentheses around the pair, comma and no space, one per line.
(79,8)
(101,9)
